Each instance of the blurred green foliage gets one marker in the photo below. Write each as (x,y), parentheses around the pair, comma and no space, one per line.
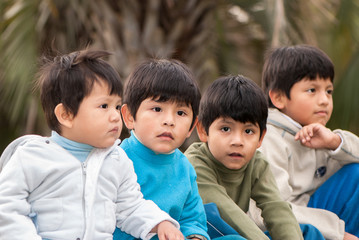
(213,37)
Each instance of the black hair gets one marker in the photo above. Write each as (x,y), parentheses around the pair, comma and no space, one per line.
(285,66)
(69,78)
(162,80)
(236,97)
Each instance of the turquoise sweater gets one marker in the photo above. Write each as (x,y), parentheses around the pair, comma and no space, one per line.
(170,181)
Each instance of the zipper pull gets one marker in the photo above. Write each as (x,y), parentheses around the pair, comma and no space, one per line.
(84,165)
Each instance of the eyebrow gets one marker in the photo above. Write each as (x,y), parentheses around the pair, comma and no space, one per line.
(246,124)
(226,120)
(179,104)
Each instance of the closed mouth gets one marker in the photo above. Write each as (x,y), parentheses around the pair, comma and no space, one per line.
(235,154)
(166,135)
(114,129)
(321,112)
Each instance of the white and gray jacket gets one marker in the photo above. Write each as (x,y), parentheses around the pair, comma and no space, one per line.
(42,183)
(297,169)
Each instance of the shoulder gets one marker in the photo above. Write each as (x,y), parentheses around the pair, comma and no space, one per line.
(200,158)
(183,162)
(259,162)
(196,152)
(125,144)
(26,149)
(277,121)
(118,160)
(13,146)
(28,142)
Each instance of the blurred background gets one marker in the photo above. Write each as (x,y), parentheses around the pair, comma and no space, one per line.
(213,37)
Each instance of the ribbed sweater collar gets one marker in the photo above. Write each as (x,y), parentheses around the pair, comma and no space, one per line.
(144,152)
(226,173)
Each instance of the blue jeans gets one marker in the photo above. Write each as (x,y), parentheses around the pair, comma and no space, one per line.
(340,195)
(218,229)
(309,232)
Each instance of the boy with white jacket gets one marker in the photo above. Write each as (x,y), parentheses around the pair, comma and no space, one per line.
(68,186)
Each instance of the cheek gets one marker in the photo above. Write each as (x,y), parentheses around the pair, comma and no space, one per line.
(216,148)
(120,126)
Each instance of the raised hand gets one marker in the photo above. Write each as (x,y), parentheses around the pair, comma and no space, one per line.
(316,136)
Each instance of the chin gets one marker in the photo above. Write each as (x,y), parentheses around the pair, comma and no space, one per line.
(163,151)
(234,166)
(105,145)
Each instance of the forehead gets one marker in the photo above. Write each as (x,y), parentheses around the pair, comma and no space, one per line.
(158,100)
(316,81)
(100,91)
(231,121)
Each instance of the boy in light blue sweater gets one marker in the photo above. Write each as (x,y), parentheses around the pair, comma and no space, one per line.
(161,100)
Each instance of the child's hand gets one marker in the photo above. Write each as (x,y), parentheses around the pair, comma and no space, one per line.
(348,236)
(316,136)
(167,231)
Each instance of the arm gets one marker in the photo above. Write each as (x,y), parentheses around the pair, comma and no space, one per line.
(277,214)
(348,236)
(318,136)
(14,208)
(135,215)
(167,231)
(349,151)
(211,191)
(193,218)
(279,154)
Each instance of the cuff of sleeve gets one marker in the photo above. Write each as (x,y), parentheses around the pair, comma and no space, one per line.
(339,147)
(197,236)
(171,220)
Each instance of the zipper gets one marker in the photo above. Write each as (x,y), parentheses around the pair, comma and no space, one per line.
(84,168)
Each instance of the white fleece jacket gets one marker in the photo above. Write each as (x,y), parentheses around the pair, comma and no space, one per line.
(68,199)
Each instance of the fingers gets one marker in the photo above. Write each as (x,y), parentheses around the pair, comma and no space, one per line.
(305,134)
(171,236)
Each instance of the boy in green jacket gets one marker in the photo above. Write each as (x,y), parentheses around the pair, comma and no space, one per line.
(230,170)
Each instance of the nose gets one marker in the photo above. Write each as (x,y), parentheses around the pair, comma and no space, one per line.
(168,120)
(115,115)
(237,140)
(324,98)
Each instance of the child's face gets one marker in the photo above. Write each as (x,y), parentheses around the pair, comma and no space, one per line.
(310,101)
(98,121)
(231,142)
(160,126)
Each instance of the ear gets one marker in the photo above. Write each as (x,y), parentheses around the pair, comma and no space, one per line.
(193,127)
(202,134)
(127,117)
(261,139)
(63,116)
(278,98)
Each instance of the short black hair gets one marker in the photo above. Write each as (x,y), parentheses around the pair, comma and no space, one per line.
(285,66)
(69,78)
(236,97)
(162,80)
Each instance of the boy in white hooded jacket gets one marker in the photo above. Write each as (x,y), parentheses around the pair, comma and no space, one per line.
(68,186)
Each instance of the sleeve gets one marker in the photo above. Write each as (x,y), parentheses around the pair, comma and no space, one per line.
(211,191)
(277,214)
(193,218)
(349,151)
(134,214)
(276,151)
(14,208)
